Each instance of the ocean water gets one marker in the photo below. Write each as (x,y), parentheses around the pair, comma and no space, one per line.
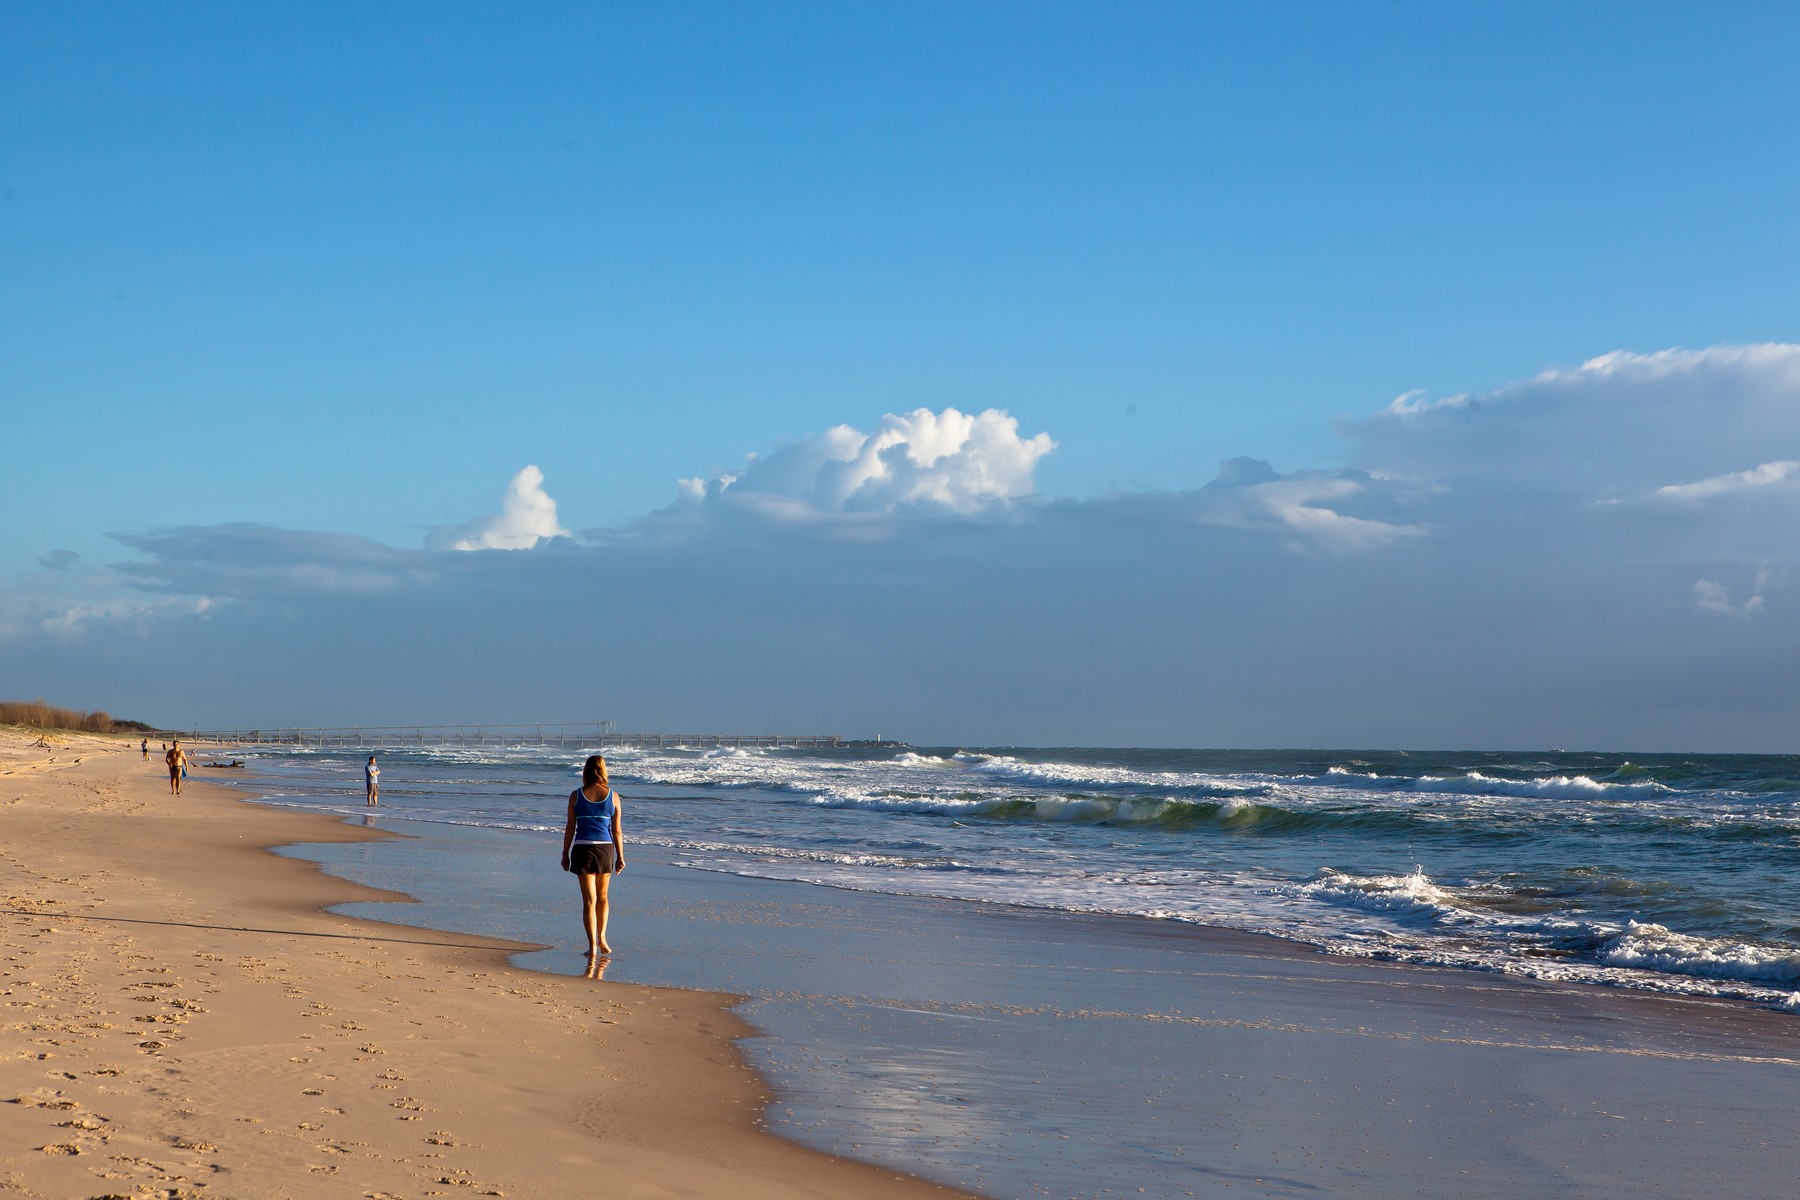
(1676,874)
(1076,1037)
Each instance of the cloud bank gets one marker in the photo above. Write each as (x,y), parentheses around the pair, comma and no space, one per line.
(1594,557)
(1618,425)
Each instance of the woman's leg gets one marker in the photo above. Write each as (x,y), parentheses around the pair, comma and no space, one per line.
(590,900)
(605,882)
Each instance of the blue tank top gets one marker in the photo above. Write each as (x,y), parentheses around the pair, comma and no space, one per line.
(593,819)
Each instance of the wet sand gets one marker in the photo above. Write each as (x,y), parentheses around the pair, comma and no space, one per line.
(1027,1053)
(182,1018)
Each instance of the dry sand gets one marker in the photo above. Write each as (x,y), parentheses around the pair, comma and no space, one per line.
(182,1018)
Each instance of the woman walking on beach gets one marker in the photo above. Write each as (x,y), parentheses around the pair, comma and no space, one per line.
(594,848)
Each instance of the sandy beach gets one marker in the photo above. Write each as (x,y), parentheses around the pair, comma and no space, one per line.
(182,1019)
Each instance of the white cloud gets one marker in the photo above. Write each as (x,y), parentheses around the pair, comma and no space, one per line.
(1714,597)
(947,462)
(527,516)
(1622,424)
(1766,475)
(77,617)
(1248,494)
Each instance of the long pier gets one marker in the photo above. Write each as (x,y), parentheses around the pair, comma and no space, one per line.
(598,735)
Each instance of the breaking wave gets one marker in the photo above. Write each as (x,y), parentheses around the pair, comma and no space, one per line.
(1668,875)
(1475,783)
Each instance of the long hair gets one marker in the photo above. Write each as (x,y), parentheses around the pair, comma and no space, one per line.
(594,771)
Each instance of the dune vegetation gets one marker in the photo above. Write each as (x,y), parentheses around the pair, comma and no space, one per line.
(39,714)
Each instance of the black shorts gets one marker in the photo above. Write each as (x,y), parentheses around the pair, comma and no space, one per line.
(591,858)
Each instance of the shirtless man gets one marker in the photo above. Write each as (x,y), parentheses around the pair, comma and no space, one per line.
(177,758)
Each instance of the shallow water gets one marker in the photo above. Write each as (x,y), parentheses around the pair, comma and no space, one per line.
(1678,874)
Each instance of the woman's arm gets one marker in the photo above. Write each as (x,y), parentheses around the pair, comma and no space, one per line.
(618,837)
(568,833)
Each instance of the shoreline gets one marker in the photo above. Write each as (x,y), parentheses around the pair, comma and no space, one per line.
(188,1016)
(1536,870)
(1269,1067)
(1253,942)
(1018,1052)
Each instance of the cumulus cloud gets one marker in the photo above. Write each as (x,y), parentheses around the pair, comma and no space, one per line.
(527,516)
(952,465)
(948,461)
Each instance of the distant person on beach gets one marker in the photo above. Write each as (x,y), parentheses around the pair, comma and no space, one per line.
(145,747)
(372,780)
(594,848)
(177,759)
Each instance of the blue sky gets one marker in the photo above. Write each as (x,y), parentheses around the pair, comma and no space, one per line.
(345,271)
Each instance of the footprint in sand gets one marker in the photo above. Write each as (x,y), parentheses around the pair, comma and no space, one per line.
(462,1179)
(44,1098)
